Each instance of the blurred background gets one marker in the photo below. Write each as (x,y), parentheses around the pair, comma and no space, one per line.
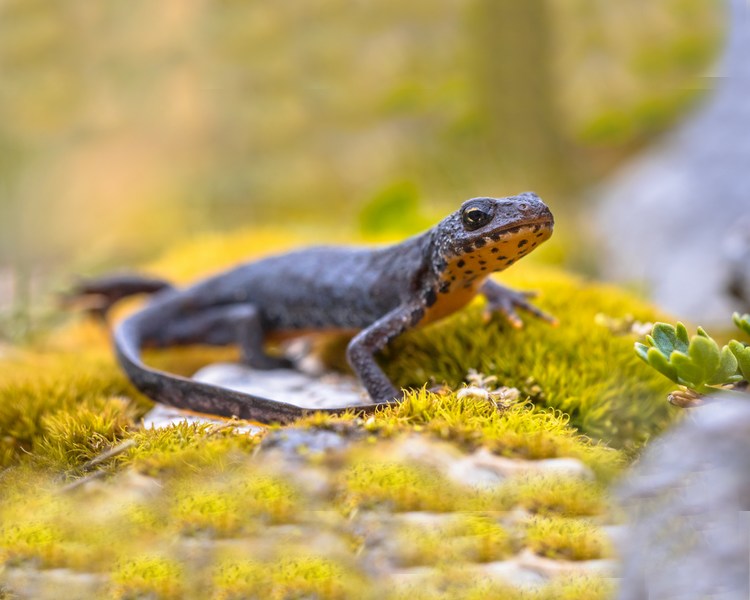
(126,126)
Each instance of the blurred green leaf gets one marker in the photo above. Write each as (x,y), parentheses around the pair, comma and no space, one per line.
(742,322)
(394,209)
(659,362)
(705,355)
(727,371)
(688,372)
(665,338)
(742,354)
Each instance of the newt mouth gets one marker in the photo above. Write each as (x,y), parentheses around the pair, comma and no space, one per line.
(514,228)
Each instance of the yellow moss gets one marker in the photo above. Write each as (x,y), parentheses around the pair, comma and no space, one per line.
(288,577)
(570,539)
(518,430)
(471,538)
(187,448)
(555,494)
(148,577)
(581,368)
(398,487)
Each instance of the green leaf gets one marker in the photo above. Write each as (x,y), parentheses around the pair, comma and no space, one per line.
(659,362)
(702,333)
(704,353)
(642,351)
(665,338)
(742,354)
(689,373)
(727,371)
(683,341)
(742,322)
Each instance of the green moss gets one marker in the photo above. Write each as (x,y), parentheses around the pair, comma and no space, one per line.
(38,391)
(580,368)
(565,496)
(561,538)
(472,538)
(289,577)
(75,437)
(398,487)
(187,447)
(148,577)
(518,430)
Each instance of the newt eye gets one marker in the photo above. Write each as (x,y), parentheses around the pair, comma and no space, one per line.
(475,217)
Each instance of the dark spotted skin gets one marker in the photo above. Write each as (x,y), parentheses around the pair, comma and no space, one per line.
(379,293)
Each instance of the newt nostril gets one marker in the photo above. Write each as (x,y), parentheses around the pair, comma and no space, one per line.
(523,206)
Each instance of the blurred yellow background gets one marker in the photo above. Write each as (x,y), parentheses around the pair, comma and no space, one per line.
(125,126)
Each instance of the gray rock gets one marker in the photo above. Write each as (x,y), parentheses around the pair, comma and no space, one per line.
(688,533)
(664,219)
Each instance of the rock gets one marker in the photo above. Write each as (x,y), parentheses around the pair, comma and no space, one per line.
(296,442)
(329,390)
(663,218)
(687,536)
(550,568)
(164,416)
(49,584)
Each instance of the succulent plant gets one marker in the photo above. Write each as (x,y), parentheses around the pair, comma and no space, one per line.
(697,363)
(742,322)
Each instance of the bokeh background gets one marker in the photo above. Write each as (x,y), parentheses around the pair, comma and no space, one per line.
(126,126)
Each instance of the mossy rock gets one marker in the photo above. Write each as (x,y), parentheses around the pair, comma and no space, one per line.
(171,492)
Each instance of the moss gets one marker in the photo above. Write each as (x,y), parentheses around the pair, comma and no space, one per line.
(519,430)
(73,438)
(561,538)
(581,369)
(398,487)
(289,577)
(38,391)
(187,447)
(235,504)
(554,494)
(148,577)
(473,538)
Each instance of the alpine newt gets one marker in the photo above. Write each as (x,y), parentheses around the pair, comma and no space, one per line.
(376,293)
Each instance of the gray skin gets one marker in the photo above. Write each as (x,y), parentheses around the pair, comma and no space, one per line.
(381,293)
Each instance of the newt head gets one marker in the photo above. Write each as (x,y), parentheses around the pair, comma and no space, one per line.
(487,235)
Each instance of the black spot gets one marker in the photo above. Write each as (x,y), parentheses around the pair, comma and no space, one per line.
(468,272)
(510,262)
(522,243)
(514,230)
(539,234)
(468,248)
(479,243)
(453,278)
(494,251)
(445,287)
(460,263)
(502,258)
(482,262)
(483,269)
(495,236)
(430,297)
(537,227)
(533,244)
(416,316)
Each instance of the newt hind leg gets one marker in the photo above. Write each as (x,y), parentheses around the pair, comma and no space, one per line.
(219,326)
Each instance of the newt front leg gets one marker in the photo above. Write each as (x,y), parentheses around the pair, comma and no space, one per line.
(362,349)
(506,301)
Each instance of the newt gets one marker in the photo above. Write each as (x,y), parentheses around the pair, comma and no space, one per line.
(376,293)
